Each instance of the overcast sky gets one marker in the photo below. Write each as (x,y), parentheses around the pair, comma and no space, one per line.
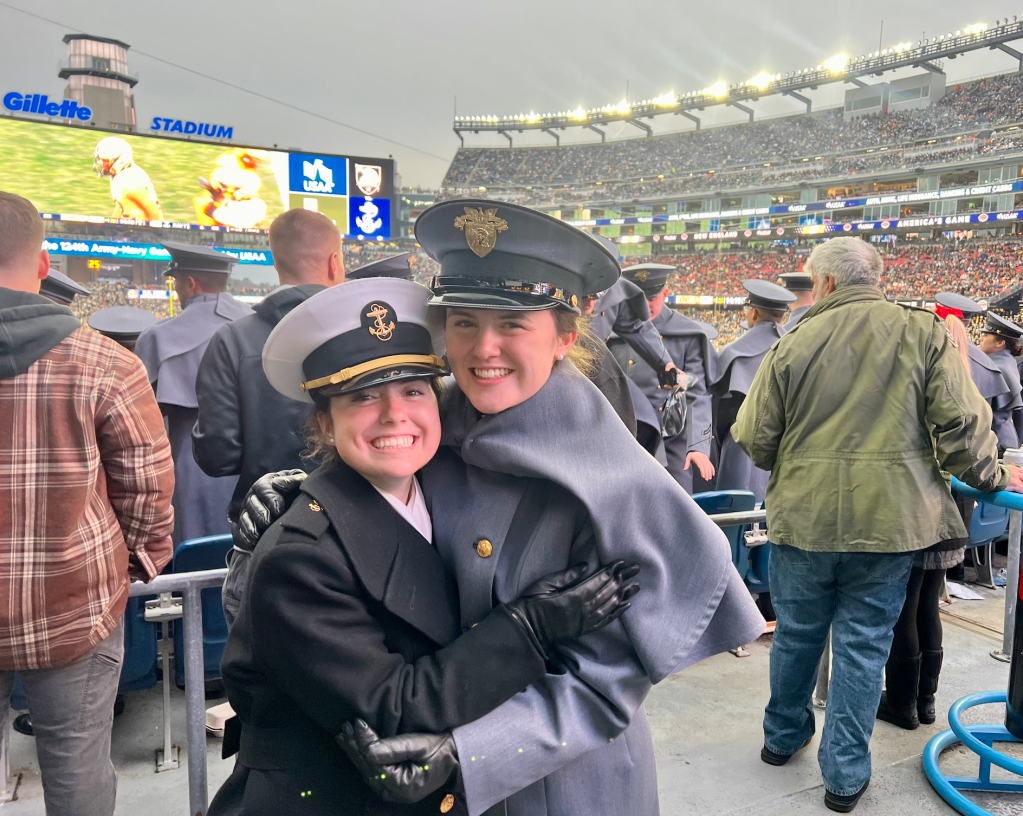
(394,67)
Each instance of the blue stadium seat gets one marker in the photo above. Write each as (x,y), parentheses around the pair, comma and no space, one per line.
(193,556)
(989,523)
(731,501)
(138,672)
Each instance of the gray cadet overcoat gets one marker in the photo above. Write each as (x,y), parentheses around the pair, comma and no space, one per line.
(987,376)
(1013,402)
(795,315)
(623,309)
(171,351)
(737,365)
(687,342)
(577,743)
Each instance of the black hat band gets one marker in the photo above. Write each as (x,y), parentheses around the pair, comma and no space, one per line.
(359,346)
(454,285)
(519,270)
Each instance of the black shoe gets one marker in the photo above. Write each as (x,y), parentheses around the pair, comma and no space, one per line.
(843,804)
(23,725)
(930,669)
(771,758)
(898,700)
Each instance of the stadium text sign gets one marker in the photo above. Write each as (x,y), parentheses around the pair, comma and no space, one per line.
(191,128)
(40,104)
(144,252)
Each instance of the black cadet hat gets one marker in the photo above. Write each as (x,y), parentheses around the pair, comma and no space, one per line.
(122,323)
(59,287)
(355,335)
(1005,329)
(950,300)
(396,266)
(187,258)
(650,277)
(766,295)
(495,255)
(797,281)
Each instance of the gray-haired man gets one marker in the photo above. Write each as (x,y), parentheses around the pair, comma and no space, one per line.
(855,414)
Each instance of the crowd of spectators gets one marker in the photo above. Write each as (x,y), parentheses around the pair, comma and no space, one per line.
(978,268)
(720,158)
(106,293)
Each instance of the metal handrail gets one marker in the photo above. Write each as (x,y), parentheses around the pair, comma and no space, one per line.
(191,585)
(1013,502)
(734,519)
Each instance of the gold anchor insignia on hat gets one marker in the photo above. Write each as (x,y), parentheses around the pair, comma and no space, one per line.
(481,228)
(642,275)
(380,330)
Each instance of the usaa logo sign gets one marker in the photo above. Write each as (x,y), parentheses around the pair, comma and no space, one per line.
(319,175)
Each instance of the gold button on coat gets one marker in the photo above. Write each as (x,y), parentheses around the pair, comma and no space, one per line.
(484,548)
(447,803)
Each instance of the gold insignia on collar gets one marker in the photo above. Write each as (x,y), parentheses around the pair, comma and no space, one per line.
(642,275)
(380,330)
(481,228)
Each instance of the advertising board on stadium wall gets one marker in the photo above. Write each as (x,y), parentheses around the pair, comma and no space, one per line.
(143,252)
(812,207)
(82,174)
(963,220)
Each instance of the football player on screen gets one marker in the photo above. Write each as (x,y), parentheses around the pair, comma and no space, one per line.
(231,196)
(130,186)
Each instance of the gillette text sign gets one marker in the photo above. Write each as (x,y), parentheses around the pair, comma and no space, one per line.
(41,105)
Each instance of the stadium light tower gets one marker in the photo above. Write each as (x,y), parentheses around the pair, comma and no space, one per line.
(98,78)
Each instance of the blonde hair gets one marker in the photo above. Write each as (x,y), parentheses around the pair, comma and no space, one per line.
(585,353)
(957,331)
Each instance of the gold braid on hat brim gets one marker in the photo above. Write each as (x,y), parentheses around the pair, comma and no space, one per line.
(346,374)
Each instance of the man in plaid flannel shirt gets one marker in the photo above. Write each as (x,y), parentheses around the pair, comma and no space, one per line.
(85,507)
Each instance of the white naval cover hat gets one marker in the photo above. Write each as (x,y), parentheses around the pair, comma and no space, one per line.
(355,335)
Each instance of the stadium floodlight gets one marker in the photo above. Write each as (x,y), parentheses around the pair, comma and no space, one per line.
(718,89)
(976,28)
(837,63)
(762,80)
(579,114)
(665,99)
(533,117)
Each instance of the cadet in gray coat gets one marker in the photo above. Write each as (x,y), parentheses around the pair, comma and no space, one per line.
(519,443)
(623,310)
(171,351)
(1001,341)
(986,374)
(737,365)
(688,344)
(801,285)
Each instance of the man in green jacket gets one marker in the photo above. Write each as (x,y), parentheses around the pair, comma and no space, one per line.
(856,412)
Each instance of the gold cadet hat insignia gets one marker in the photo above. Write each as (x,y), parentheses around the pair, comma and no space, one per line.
(481,228)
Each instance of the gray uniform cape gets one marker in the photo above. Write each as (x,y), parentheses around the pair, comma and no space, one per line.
(623,309)
(171,351)
(988,378)
(687,341)
(795,315)
(1007,364)
(577,743)
(737,365)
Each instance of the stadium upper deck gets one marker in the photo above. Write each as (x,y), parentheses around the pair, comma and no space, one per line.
(975,122)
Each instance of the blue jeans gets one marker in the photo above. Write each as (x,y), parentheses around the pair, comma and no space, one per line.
(859,597)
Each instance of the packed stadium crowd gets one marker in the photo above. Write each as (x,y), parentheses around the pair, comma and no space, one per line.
(717,158)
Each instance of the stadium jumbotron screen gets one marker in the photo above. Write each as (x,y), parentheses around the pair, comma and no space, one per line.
(81,174)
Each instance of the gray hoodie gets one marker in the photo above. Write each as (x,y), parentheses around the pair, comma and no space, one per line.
(30,325)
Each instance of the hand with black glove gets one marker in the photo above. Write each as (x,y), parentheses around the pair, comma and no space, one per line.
(406,768)
(669,376)
(267,500)
(565,605)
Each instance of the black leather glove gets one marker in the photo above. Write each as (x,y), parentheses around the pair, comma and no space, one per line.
(405,768)
(668,377)
(564,605)
(267,500)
